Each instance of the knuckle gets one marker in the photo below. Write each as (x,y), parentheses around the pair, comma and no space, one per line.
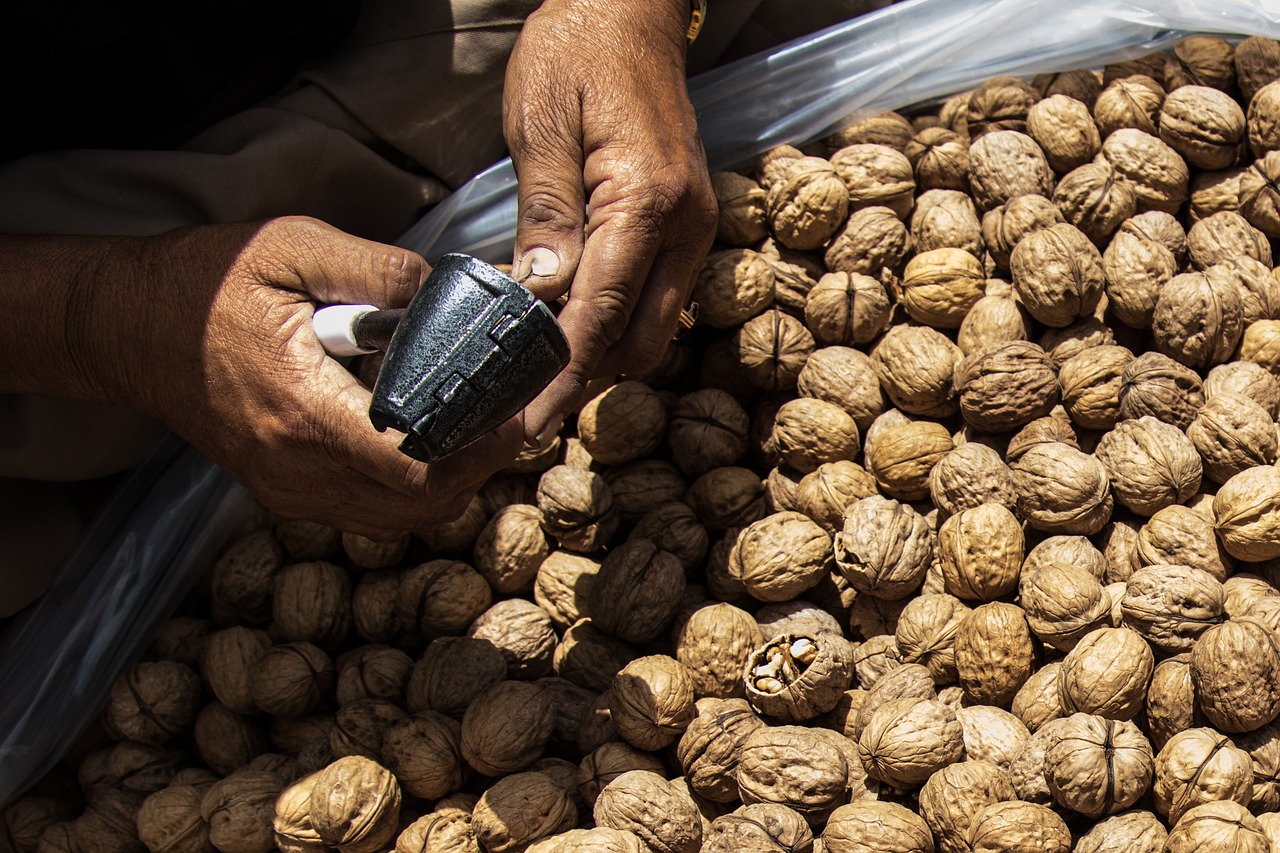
(402,270)
(544,210)
(611,308)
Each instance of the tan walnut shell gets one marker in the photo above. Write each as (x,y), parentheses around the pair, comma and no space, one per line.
(1058,274)
(1151,464)
(1004,386)
(1098,766)
(1172,605)
(884,548)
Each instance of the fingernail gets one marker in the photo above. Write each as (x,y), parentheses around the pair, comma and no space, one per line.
(539,261)
(548,434)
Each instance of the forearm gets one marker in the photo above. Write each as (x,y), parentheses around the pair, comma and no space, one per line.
(50,330)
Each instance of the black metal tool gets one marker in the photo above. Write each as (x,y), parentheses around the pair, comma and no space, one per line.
(472,349)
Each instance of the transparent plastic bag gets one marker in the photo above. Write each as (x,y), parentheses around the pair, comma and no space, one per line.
(908,53)
(158,535)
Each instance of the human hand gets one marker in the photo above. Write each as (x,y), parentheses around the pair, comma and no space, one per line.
(615,203)
(221,349)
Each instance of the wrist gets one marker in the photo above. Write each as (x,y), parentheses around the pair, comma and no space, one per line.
(63,297)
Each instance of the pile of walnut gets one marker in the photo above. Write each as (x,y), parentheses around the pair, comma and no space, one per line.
(955,526)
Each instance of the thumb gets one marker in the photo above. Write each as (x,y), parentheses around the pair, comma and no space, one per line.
(338,268)
(550,219)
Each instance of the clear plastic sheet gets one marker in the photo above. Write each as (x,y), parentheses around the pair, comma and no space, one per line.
(157,536)
(908,53)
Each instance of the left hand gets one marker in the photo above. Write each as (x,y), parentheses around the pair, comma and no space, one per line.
(615,203)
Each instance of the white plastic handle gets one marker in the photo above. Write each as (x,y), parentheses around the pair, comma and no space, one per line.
(335,326)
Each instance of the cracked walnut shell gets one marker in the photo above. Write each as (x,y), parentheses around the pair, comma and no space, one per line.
(797,676)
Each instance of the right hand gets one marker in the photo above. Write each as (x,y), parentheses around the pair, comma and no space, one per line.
(212,336)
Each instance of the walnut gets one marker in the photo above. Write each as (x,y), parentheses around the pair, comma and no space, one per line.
(1259,201)
(939,159)
(926,633)
(306,540)
(1204,125)
(238,810)
(946,219)
(1098,766)
(710,747)
(424,753)
(772,348)
(1096,200)
(809,432)
(373,607)
(1080,335)
(875,657)
(169,821)
(994,653)
(451,673)
(993,319)
(360,727)
(152,702)
(1171,705)
(868,825)
(1000,103)
(512,546)
(1083,84)
(370,554)
(825,493)
(651,701)
(563,586)
(1005,386)
(1198,319)
(1073,550)
(1182,536)
(445,830)
(743,218)
(807,202)
(1245,512)
(1014,825)
(244,576)
(292,679)
(674,528)
(1259,289)
(1199,766)
(1058,274)
(797,676)
(640,486)
(954,795)
(520,809)
(884,548)
(876,176)
(1263,746)
(1136,268)
(1004,226)
(637,591)
(355,805)
(1261,344)
(522,632)
(1202,61)
(625,422)
(312,603)
(1027,770)
(227,661)
(1039,699)
(939,287)
(1107,674)
(915,365)
(226,740)
(708,430)
(1256,60)
(780,556)
(727,497)
(1155,172)
(991,734)
(805,769)
(1063,603)
(1133,101)
(577,508)
(1215,192)
(1233,669)
(589,657)
(600,839)
(1221,825)
(1151,464)
(969,476)
(1065,130)
(1062,490)
(372,672)
(715,644)
(458,536)
(905,456)
(733,287)
(873,240)
(1157,386)
(646,804)
(906,740)
(846,308)
(980,552)
(846,377)
(909,680)
(506,728)
(443,596)
(1005,164)
(795,274)
(1171,605)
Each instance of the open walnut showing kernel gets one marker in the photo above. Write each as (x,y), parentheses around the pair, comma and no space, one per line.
(796,677)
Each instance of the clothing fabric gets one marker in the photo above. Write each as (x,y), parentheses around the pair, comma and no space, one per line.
(366,138)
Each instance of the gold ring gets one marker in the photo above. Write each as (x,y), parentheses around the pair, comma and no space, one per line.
(688,316)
